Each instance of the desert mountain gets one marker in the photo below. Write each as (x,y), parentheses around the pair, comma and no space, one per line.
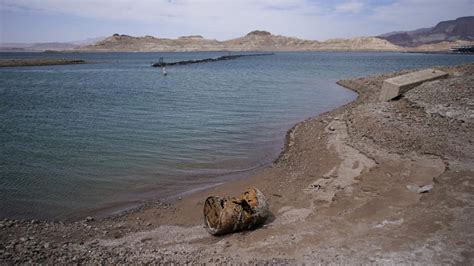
(461,29)
(126,43)
(253,41)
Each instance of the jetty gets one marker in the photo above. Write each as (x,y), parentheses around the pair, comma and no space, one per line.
(464,49)
(206,60)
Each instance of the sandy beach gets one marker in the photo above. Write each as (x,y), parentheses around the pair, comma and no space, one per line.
(345,189)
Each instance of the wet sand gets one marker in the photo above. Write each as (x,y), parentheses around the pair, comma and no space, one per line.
(344,190)
(39,62)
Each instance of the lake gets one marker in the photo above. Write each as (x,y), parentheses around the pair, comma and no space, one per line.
(114,133)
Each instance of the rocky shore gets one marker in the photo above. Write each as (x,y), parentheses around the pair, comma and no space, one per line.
(39,62)
(384,182)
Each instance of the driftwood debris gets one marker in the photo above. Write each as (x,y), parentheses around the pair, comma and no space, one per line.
(161,63)
(227,215)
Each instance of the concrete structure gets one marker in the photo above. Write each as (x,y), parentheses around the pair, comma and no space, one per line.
(396,86)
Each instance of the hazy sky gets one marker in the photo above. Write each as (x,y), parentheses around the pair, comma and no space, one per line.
(71,20)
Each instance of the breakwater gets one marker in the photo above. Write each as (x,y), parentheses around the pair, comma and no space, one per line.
(206,60)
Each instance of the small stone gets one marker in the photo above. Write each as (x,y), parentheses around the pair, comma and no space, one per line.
(89,219)
(425,189)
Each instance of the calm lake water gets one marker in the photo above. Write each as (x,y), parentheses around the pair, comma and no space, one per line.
(79,138)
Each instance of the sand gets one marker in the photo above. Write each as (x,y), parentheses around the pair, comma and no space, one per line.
(344,190)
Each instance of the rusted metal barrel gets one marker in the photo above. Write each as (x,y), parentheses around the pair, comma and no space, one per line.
(227,215)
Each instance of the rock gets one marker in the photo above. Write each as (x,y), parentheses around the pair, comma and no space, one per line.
(425,189)
(420,189)
(227,215)
(89,219)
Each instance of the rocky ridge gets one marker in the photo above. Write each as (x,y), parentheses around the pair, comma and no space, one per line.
(460,29)
(253,41)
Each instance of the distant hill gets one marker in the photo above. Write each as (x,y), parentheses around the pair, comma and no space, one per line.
(37,47)
(126,43)
(47,46)
(253,41)
(460,29)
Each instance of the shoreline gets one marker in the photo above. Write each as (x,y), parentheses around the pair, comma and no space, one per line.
(344,174)
(40,62)
(241,51)
(125,207)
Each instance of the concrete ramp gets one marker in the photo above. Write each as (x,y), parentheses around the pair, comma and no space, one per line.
(396,86)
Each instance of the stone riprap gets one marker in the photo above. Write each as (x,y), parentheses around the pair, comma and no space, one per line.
(206,60)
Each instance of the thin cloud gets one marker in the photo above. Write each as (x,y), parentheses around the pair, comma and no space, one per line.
(350,7)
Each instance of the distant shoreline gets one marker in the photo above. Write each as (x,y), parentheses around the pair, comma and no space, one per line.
(39,62)
(229,51)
